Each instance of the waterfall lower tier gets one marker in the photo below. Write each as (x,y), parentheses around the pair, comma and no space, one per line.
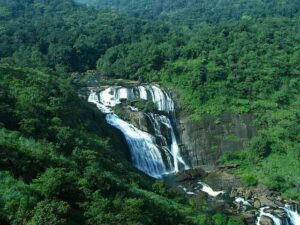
(157,122)
(144,153)
(156,153)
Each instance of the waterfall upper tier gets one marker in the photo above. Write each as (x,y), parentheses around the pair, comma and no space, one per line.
(112,96)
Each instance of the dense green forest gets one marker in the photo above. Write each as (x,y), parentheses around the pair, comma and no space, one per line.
(192,12)
(59,166)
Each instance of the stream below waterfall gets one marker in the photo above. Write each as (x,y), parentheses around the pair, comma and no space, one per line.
(158,153)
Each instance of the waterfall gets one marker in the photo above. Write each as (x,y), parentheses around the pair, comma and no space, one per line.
(293,215)
(154,154)
(158,121)
(144,153)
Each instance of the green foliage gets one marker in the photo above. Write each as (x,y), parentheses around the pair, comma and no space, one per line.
(250,180)
(235,221)
(50,213)
(193,11)
(17,200)
(150,106)
(219,219)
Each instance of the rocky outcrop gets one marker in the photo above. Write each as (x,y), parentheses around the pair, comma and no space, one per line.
(191,174)
(223,180)
(258,196)
(204,141)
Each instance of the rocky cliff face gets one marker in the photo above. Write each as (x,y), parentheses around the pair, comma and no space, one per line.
(203,142)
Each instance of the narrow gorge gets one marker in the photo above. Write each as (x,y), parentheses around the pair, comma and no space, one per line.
(162,146)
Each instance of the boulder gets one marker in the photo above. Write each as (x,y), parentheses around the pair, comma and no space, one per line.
(257,204)
(248,194)
(191,174)
(265,201)
(264,220)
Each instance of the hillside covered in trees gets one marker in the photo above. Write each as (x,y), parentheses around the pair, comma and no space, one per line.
(58,166)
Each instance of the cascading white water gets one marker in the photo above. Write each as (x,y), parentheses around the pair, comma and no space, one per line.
(145,155)
(93,98)
(112,96)
(153,155)
(262,213)
(242,201)
(161,98)
(293,215)
(159,120)
(209,190)
(143,92)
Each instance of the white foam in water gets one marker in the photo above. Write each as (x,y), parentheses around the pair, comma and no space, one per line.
(108,98)
(242,200)
(262,212)
(209,190)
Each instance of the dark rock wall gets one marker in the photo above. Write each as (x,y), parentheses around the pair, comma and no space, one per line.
(203,142)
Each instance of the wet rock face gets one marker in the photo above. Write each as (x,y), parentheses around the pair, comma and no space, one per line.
(203,142)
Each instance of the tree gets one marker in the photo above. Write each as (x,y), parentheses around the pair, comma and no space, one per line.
(50,213)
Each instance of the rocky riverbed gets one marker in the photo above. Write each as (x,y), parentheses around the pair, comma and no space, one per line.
(226,192)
